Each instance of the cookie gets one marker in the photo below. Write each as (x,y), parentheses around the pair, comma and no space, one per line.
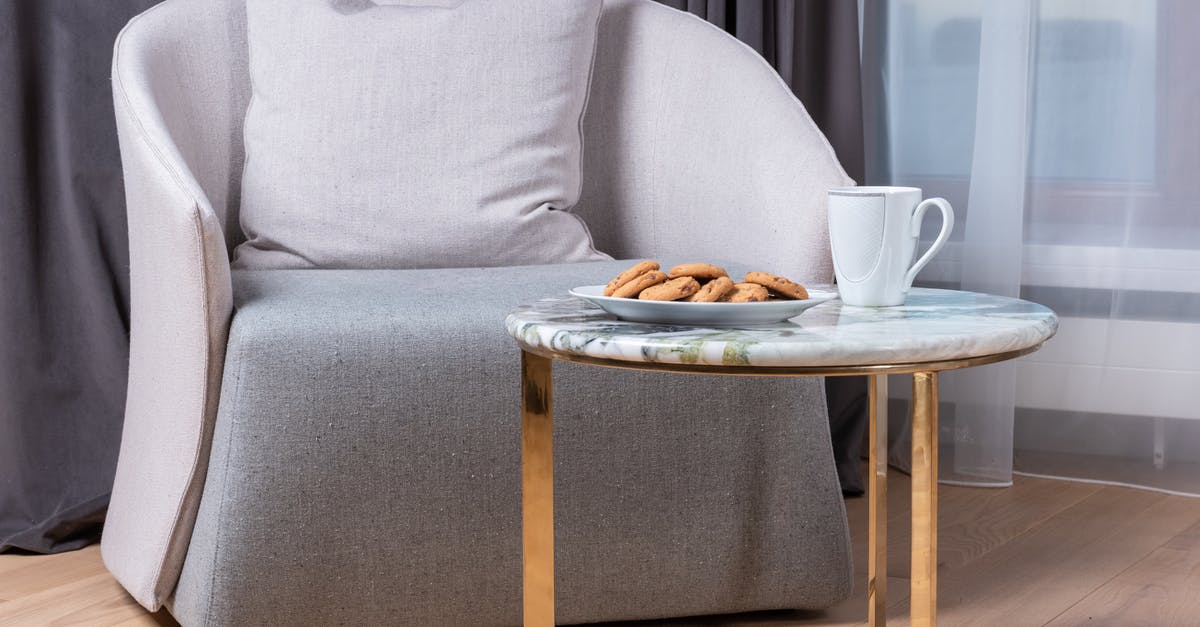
(779,285)
(698,271)
(712,291)
(639,283)
(629,275)
(674,289)
(745,293)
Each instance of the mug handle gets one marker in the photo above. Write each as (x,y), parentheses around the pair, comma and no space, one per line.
(947,227)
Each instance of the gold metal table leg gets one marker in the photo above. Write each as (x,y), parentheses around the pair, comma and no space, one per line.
(877,492)
(924,499)
(537,488)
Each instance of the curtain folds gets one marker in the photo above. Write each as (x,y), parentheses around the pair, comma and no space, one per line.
(1066,135)
(63,271)
(992,239)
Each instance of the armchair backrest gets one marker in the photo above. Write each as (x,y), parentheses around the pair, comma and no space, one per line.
(688,133)
(696,148)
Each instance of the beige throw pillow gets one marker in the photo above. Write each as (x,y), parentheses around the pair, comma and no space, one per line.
(388,134)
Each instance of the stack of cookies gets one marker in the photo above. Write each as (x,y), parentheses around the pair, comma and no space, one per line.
(700,283)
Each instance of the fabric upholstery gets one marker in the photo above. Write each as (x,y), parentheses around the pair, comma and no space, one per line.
(743,174)
(366,467)
(397,136)
(181,82)
(64,314)
(179,280)
(814,46)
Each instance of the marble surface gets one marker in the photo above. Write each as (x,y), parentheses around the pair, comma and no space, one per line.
(932,325)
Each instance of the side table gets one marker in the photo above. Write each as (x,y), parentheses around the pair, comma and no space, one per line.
(935,330)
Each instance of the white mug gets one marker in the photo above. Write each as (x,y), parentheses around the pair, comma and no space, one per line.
(873,232)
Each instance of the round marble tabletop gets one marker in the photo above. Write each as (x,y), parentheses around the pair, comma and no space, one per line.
(932,326)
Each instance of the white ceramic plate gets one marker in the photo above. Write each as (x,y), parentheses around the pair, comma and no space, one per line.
(698,314)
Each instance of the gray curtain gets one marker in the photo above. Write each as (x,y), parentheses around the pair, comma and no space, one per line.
(63,271)
(813,44)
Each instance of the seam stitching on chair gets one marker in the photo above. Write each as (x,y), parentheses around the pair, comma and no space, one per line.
(130,110)
(587,96)
(205,388)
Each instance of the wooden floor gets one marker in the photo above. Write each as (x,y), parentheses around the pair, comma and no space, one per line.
(1040,553)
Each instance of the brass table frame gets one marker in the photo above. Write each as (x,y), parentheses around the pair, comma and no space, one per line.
(537,470)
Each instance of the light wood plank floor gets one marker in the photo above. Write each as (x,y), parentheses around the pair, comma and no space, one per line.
(1040,553)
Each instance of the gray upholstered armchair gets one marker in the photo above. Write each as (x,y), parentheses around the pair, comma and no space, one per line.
(342,446)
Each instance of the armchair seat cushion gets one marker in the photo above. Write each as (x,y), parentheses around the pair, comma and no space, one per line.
(365,467)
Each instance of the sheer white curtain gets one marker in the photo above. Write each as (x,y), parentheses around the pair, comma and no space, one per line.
(1067,135)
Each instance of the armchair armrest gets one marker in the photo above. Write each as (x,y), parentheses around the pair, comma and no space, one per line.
(695,148)
(181,301)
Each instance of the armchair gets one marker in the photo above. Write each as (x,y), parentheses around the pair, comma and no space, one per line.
(342,446)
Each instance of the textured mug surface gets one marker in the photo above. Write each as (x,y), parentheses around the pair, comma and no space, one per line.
(873,233)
